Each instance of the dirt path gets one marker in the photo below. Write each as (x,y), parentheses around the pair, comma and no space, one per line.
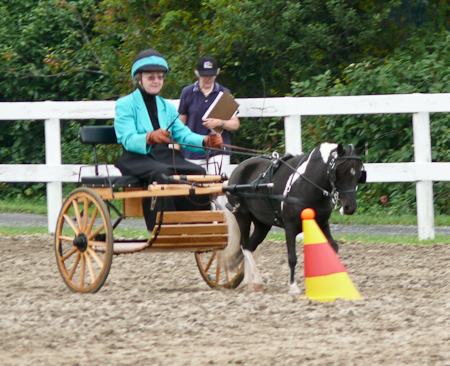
(156,310)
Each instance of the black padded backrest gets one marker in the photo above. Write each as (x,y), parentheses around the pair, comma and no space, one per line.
(97,135)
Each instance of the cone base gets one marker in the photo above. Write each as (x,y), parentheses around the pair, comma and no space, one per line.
(331,287)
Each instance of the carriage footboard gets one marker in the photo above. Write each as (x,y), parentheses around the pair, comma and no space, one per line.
(185,231)
(191,230)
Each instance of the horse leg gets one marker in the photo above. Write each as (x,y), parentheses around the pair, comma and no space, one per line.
(244,221)
(254,279)
(232,254)
(327,232)
(292,259)
(252,276)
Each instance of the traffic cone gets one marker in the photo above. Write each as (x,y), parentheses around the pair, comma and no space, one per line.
(326,278)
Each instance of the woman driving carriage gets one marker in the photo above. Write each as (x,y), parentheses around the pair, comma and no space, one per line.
(145,124)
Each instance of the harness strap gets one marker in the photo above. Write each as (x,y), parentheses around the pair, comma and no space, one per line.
(279,197)
(267,177)
(324,191)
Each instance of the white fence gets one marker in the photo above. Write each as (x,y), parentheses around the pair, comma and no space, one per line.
(422,170)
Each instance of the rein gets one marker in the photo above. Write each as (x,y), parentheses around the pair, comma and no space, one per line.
(331,173)
(258,153)
(334,162)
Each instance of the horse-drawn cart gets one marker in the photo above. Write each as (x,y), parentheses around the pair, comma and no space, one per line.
(263,191)
(84,236)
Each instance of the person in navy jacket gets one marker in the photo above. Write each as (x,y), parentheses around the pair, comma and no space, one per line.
(195,100)
(147,126)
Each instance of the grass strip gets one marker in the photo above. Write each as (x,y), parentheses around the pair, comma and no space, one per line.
(280,236)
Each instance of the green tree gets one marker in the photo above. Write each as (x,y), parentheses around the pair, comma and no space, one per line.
(419,67)
(47,53)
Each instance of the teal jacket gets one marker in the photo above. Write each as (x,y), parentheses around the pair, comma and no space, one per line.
(132,123)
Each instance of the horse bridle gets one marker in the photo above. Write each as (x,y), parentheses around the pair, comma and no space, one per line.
(332,166)
(331,172)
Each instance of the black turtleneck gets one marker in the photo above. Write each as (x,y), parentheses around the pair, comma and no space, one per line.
(150,103)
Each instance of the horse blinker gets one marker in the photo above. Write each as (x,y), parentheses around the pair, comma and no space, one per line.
(363,177)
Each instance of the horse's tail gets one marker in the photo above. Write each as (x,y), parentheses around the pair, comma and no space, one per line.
(232,254)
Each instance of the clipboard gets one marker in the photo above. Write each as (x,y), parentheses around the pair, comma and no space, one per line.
(224,107)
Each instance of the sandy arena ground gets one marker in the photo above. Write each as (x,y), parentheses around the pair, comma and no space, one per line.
(155,309)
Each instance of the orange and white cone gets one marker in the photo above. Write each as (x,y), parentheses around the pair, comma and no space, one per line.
(326,278)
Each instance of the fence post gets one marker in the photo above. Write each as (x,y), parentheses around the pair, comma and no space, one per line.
(53,157)
(424,189)
(293,134)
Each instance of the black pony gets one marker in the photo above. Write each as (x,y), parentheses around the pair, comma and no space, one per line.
(316,180)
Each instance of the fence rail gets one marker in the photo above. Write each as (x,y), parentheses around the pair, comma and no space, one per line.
(422,171)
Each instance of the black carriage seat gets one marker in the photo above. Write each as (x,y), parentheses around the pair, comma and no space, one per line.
(104,135)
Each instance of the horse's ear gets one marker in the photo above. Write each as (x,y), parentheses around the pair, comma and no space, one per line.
(340,150)
(359,150)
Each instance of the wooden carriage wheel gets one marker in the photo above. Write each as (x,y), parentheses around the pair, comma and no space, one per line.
(216,273)
(84,241)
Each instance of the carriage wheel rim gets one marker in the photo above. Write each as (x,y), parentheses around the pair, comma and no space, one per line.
(86,262)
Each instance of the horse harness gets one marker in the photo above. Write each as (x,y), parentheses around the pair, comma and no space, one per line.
(269,199)
(267,177)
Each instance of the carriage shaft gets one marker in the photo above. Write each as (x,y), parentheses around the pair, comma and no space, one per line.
(161,190)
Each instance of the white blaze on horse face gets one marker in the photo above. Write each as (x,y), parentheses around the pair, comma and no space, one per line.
(352,171)
(325,150)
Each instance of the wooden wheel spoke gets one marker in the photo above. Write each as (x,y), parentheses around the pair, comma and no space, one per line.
(66,238)
(90,268)
(91,223)
(218,272)
(85,212)
(96,257)
(210,262)
(72,271)
(71,224)
(83,268)
(228,274)
(226,269)
(63,259)
(76,208)
(96,232)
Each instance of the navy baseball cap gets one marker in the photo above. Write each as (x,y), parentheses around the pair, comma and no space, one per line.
(207,66)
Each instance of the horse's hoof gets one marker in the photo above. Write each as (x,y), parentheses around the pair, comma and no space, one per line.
(293,289)
(258,287)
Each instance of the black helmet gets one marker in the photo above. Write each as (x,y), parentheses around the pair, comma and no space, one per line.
(149,60)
